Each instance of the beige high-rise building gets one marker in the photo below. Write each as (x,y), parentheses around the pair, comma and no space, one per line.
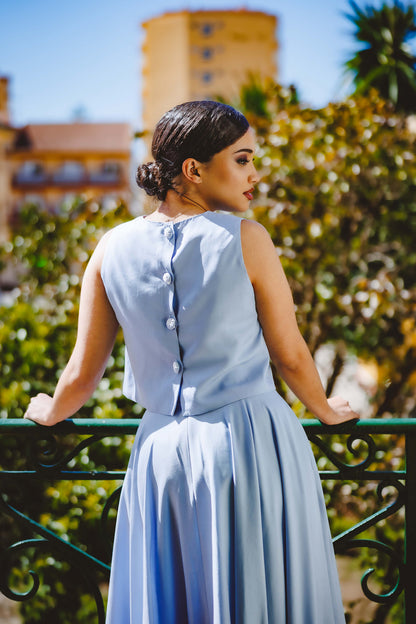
(197,55)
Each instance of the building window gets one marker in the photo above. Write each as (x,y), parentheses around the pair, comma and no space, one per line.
(111,167)
(207,53)
(109,172)
(30,173)
(207,29)
(70,172)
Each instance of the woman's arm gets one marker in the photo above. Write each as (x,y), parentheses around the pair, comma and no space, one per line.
(276,312)
(97,329)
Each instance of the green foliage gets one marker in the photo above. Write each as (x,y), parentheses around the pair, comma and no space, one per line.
(338,196)
(386,61)
(254,98)
(48,253)
(61,597)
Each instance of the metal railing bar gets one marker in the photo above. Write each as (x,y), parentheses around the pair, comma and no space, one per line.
(364,475)
(403,480)
(127,426)
(50,536)
(71,475)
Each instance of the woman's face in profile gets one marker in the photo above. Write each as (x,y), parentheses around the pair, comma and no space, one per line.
(228,179)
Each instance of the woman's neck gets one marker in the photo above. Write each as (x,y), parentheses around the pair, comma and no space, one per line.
(178,206)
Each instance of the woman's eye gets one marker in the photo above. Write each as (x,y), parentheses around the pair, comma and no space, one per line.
(243,161)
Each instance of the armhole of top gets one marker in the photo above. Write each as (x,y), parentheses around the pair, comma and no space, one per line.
(104,241)
(243,264)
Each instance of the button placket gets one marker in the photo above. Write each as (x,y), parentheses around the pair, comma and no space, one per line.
(168,278)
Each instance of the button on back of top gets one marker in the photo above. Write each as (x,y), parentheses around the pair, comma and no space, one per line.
(171,323)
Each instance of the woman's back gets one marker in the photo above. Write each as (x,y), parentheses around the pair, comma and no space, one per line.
(215,476)
(186,305)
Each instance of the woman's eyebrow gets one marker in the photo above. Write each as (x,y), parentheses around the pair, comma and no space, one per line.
(245,149)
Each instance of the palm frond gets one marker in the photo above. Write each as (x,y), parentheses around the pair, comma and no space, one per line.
(384,34)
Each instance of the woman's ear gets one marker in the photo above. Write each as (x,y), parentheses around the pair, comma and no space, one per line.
(190,169)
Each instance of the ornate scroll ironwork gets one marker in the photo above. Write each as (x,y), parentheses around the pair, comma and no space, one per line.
(358,461)
(365,469)
(45,459)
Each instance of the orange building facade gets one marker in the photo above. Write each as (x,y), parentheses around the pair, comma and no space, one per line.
(7,134)
(49,164)
(194,55)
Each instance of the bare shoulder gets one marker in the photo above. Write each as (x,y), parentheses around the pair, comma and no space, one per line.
(254,235)
(250,228)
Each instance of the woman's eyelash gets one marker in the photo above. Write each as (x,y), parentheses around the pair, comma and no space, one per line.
(243,161)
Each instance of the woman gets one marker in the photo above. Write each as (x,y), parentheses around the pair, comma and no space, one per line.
(221,518)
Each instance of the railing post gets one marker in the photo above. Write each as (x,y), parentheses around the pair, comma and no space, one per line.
(410,536)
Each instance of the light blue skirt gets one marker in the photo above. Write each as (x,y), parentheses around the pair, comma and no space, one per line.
(222,521)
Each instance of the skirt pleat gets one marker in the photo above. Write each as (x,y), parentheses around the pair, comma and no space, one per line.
(222,521)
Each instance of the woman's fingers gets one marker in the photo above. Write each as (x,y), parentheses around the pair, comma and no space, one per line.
(39,410)
(342,411)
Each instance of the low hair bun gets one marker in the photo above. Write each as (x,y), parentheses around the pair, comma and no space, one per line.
(197,129)
(149,178)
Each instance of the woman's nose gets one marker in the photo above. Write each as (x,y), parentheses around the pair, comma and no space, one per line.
(254,176)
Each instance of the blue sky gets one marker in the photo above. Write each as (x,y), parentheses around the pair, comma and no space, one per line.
(86,54)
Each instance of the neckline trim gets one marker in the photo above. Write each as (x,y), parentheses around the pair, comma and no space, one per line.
(190,218)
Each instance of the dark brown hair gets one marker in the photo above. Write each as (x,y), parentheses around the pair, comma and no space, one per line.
(191,130)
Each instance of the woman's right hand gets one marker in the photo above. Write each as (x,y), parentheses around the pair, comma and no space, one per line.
(39,410)
(340,411)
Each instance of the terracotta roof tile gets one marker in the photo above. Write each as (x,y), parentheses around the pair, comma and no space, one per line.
(75,137)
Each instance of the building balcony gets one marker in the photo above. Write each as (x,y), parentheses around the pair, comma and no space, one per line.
(105,177)
(349,457)
(28,182)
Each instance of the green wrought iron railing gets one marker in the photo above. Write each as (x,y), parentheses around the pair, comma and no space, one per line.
(357,453)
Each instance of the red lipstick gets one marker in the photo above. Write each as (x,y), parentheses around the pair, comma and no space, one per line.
(249,194)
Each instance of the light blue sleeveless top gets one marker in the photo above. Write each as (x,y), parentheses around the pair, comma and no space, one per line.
(183,298)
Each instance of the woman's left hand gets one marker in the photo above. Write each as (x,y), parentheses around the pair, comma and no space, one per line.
(40,410)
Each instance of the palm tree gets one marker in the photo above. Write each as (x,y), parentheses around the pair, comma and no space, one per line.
(386,62)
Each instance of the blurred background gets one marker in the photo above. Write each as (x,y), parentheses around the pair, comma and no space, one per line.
(92,63)
(330,88)
(86,58)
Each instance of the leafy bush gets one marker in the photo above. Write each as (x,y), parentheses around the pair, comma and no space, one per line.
(48,252)
(338,197)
